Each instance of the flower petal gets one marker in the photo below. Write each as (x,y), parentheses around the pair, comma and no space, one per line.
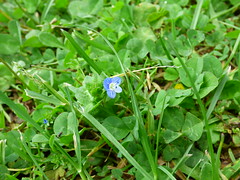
(106,83)
(118,89)
(117,80)
(111,94)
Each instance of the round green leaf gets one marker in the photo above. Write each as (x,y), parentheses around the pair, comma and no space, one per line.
(170,152)
(116,126)
(39,138)
(61,124)
(170,136)
(8,44)
(173,119)
(195,37)
(83,8)
(212,64)
(171,74)
(50,40)
(210,82)
(193,127)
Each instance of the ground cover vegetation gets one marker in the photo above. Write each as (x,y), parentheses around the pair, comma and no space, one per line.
(119,89)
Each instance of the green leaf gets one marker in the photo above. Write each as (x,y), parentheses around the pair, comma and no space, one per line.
(82,53)
(14,142)
(60,4)
(42,97)
(6,78)
(135,45)
(212,64)
(171,74)
(183,46)
(206,172)
(9,45)
(144,34)
(193,127)
(170,152)
(195,37)
(31,5)
(159,102)
(170,136)
(173,119)
(184,77)
(210,82)
(230,89)
(196,63)
(177,96)
(50,40)
(46,9)
(15,30)
(39,138)
(116,126)
(214,38)
(142,13)
(3,171)
(61,124)
(84,8)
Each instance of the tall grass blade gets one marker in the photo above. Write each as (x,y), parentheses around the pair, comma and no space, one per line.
(93,43)
(196,14)
(167,172)
(46,10)
(2,151)
(76,137)
(233,51)
(217,95)
(81,52)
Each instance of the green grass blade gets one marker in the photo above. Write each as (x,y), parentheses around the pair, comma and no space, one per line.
(217,95)
(192,170)
(53,91)
(46,10)
(28,150)
(183,159)
(159,129)
(235,47)
(220,150)
(225,11)
(93,43)
(76,137)
(196,14)
(167,172)
(42,97)
(81,52)
(2,151)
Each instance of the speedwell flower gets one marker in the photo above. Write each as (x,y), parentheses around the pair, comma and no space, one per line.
(111,85)
(45,121)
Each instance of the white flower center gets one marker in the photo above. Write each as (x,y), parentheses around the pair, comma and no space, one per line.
(112,86)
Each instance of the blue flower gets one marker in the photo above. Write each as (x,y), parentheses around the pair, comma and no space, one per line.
(111,85)
(45,121)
